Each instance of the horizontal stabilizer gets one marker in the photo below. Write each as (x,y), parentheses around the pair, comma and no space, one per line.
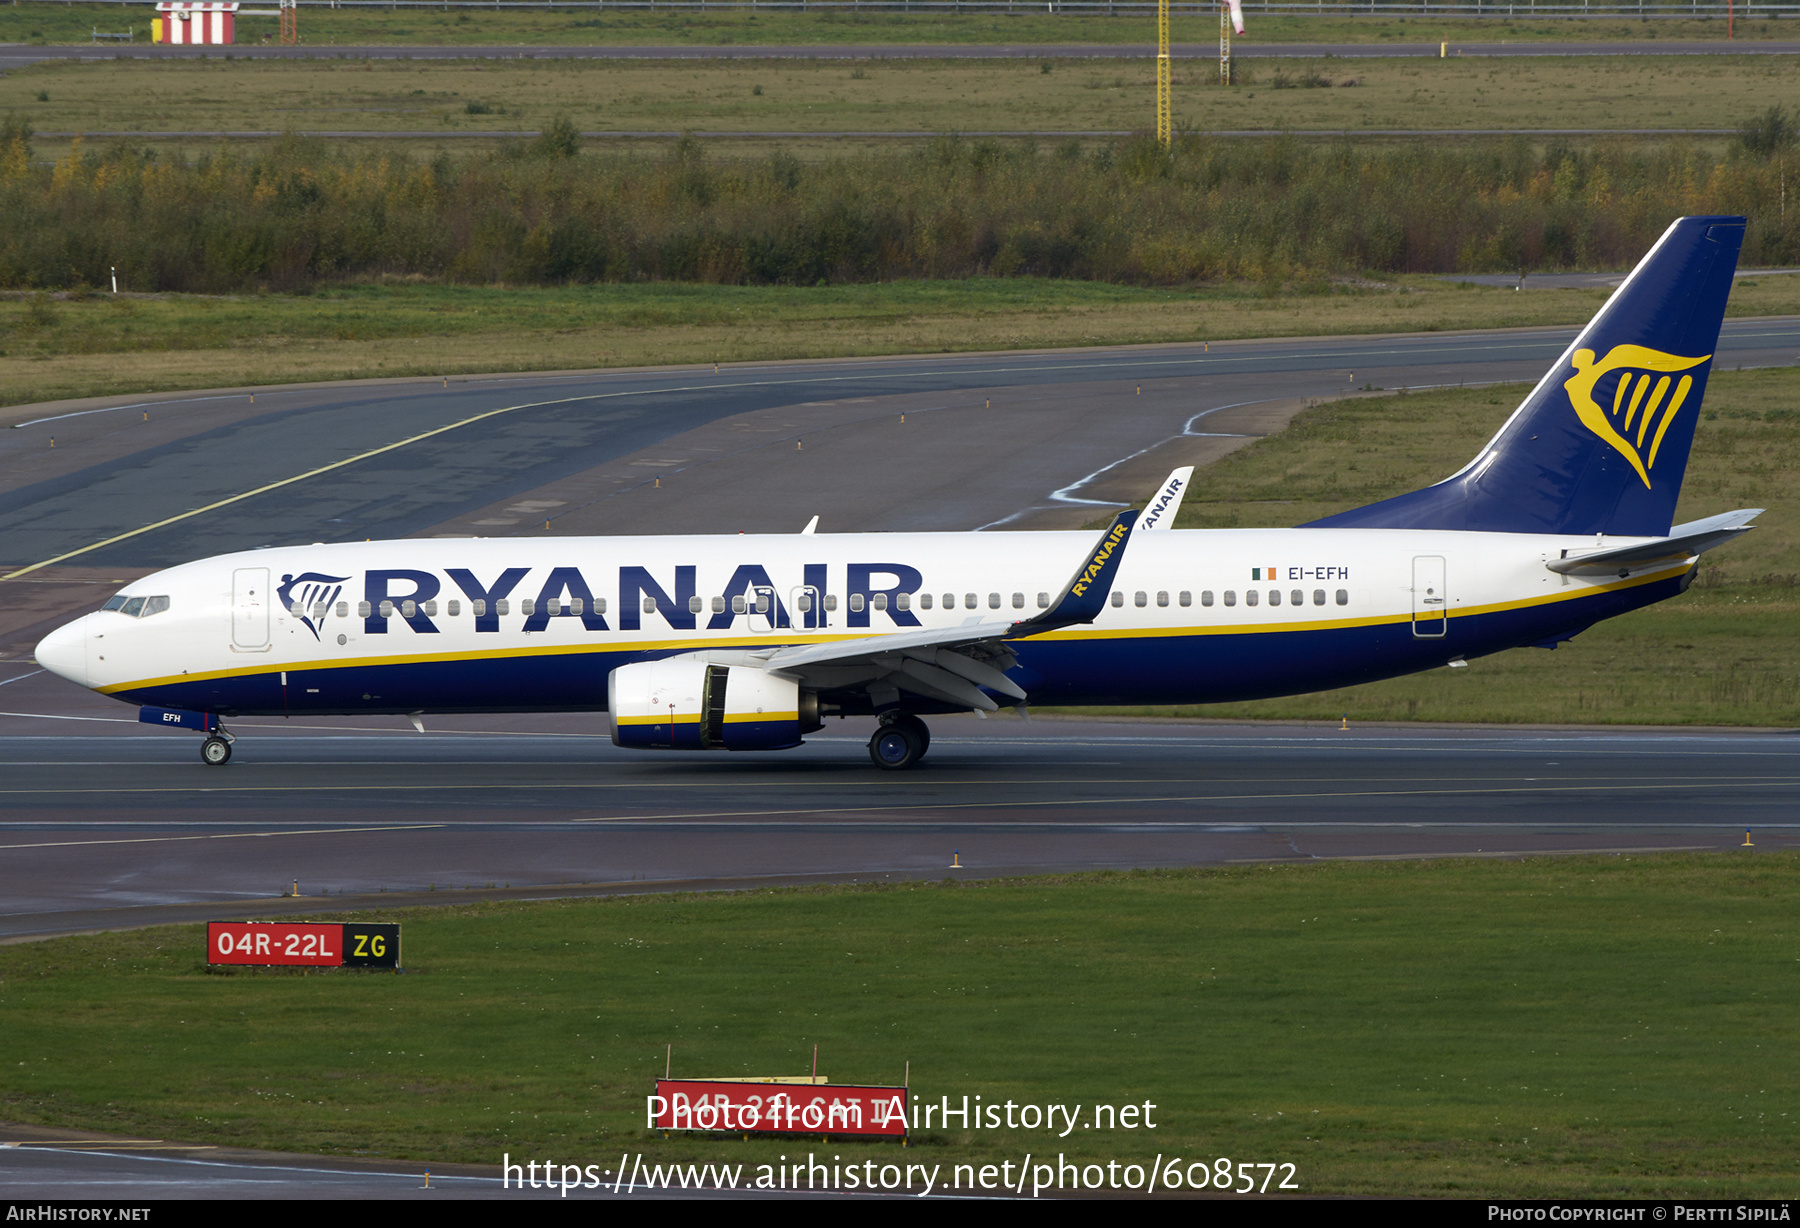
(1683,543)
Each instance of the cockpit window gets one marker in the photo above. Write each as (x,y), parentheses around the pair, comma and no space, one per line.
(137,607)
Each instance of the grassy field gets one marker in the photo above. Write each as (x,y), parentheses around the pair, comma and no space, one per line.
(1557,1027)
(54,347)
(1725,653)
(440,100)
(42,23)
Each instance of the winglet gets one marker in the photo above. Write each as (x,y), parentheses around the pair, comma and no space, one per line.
(812,526)
(1084,596)
(1159,513)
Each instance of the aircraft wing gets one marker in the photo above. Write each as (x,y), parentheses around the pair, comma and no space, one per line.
(1683,542)
(953,664)
(946,663)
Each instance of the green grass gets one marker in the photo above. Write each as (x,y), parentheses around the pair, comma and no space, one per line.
(434,99)
(41,23)
(54,347)
(1583,1026)
(1725,653)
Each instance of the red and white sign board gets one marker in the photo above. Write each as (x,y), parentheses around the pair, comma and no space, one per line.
(312,944)
(195,24)
(776,1108)
(250,942)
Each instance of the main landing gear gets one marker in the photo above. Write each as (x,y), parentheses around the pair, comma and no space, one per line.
(216,750)
(900,742)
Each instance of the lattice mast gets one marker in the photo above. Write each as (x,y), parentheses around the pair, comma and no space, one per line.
(1164,121)
(1231,17)
(1224,44)
(290,23)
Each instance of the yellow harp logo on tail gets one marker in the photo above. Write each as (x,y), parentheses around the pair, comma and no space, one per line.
(1642,408)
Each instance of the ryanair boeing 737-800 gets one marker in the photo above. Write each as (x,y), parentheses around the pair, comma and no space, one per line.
(751,642)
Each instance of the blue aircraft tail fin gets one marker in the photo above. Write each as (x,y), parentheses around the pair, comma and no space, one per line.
(1601,444)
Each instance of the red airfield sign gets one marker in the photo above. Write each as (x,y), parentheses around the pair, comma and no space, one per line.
(776,1108)
(308,943)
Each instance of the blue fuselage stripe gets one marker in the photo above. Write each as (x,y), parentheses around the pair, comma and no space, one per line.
(1162,669)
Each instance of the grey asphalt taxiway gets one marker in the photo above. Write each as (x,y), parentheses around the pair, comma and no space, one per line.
(114,829)
(105,822)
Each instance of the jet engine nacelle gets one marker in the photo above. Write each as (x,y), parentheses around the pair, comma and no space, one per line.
(692,705)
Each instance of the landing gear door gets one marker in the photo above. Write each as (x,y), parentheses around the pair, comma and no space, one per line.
(250,609)
(1430,598)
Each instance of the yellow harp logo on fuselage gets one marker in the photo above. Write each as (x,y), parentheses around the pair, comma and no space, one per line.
(1640,399)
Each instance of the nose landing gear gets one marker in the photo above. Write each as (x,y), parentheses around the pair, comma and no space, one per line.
(216,750)
(900,742)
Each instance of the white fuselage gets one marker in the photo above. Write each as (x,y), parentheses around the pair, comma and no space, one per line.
(1194,615)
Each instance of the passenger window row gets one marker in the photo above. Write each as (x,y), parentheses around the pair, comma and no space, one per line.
(759,604)
(1141,599)
(1294,597)
(144,607)
(568,606)
(973,601)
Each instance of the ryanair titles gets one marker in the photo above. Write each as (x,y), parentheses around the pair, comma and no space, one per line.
(672,597)
(1097,565)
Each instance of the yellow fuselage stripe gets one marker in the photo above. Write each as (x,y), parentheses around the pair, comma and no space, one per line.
(1066,634)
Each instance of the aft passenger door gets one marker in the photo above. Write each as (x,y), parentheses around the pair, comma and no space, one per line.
(1430,598)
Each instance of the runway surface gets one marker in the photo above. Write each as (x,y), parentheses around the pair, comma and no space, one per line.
(19,55)
(48,1164)
(106,823)
(988,440)
(114,828)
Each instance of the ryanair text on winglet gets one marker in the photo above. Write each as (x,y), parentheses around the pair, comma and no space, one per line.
(1098,563)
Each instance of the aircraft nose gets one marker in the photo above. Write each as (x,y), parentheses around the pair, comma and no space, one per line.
(64,651)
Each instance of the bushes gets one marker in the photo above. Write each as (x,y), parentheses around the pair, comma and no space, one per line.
(1268,211)
(1768,134)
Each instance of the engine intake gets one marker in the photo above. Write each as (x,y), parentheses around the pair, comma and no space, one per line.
(692,705)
